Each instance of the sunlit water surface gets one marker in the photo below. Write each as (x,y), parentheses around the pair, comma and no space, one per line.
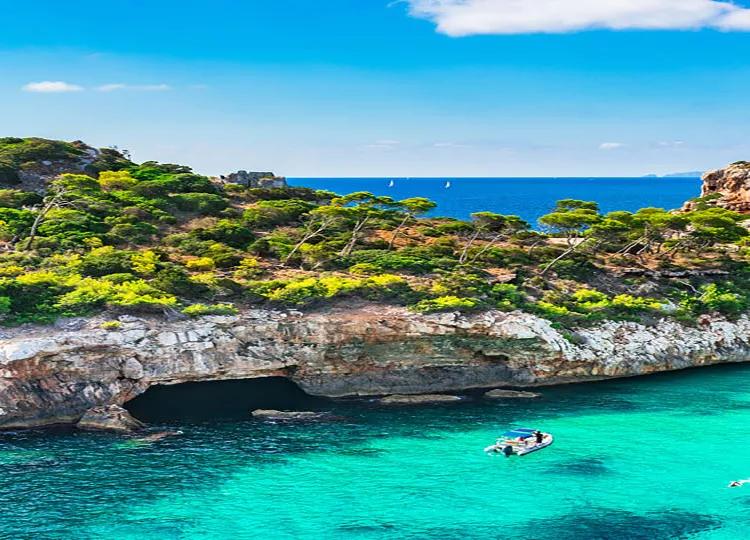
(640,458)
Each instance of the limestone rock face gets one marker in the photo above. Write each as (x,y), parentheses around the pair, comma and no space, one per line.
(52,375)
(732,186)
(109,418)
(254,179)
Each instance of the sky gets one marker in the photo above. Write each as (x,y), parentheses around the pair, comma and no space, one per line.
(438,88)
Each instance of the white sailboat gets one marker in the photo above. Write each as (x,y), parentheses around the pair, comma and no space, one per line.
(447,184)
(391,183)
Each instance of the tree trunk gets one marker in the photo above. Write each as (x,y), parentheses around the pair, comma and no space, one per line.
(38,221)
(398,229)
(349,247)
(464,253)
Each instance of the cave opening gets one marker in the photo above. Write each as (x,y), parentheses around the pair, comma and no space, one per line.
(220,400)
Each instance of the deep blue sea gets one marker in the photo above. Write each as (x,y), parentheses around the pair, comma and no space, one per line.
(529,198)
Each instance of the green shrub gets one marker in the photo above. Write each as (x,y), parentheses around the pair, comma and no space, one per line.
(111,325)
(199,310)
(445,303)
(106,260)
(205,204)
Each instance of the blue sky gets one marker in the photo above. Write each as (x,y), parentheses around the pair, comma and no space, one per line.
(380,88)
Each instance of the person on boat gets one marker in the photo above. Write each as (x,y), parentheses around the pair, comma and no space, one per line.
(539,436)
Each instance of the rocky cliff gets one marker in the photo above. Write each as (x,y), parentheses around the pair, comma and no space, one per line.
(728,187)
(53,375)
(30,164)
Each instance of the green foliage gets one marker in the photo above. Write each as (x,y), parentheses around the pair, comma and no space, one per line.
(310,290)
(200,310)
(106,260)
(14,198)
(189,241)
(111,325)
(205,204)
(445,303)
(268,214)
(722,298)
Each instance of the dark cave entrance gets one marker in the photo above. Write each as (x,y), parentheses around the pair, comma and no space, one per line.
(227,400)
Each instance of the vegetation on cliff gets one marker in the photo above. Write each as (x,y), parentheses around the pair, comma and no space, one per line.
(158,237)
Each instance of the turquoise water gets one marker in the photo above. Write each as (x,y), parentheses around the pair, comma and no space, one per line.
(529,198)
(640,458)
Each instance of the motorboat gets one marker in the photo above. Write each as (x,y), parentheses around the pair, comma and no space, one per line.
(520,441)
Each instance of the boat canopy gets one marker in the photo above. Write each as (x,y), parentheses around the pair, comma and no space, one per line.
(524,433)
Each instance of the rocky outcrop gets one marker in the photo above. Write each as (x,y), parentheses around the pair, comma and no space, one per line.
(290,416)
(728,188)
(419,399)
(53,375)
(109,418)
(510,394)
(30,164)
(253,179)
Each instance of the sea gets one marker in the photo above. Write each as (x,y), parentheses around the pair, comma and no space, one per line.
(529,198)
(641,458)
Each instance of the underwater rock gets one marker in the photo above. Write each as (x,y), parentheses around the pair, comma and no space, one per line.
(271,414)
(510,394)
(109,418)
(424,399)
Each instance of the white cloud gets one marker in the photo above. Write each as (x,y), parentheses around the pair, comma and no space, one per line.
(138,87)
(449,145)
(468,17)
(384,143)
(670,144)
(110,87)
(610,145)
(51,87)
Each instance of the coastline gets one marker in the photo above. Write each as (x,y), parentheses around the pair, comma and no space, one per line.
(53,375)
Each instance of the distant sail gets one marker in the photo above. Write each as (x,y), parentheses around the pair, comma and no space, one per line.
(391,183)
(447,184)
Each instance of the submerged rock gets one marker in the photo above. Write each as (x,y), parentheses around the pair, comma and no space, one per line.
(398,399)
(510,394)
(271,414)
(153,437)
(109,418)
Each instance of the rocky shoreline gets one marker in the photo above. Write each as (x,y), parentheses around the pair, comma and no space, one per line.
(53,375)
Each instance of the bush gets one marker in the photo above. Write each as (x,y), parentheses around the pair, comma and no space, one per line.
(106,260)
(111,325)
(267,214)
(445,303)
(227,232)
(200,203)
(201,264)
(199,310)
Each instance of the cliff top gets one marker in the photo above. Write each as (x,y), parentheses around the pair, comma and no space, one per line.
(154,237)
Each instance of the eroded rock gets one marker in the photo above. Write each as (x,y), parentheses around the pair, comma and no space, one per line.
(109,418)
(271,414)
(510,394)
(728,188)
(424,399)
(53,375)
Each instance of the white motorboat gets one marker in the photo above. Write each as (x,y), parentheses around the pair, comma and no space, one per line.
(520,442)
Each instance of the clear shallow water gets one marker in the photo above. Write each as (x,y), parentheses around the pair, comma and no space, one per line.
(529,198)
(640,458)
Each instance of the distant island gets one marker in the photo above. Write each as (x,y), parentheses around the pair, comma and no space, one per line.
(688,174)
